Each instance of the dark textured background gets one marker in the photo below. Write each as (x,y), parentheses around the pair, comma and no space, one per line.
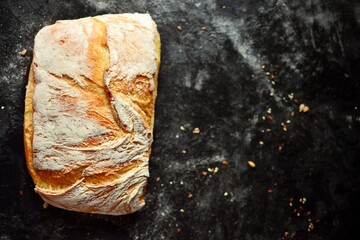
(218,80)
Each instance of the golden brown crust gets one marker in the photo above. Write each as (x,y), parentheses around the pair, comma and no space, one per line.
(97,94)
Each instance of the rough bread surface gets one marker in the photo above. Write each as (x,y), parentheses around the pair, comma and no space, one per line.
(89,112)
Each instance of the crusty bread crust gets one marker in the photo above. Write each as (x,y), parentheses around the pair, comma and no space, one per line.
(88,127)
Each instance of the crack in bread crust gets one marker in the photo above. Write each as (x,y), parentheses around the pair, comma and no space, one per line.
(89,112)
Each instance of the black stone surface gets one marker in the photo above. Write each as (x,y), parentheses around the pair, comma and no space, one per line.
(218,80)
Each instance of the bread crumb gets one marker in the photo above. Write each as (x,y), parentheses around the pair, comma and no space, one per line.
(190,196)
(182,210)
(261,142)
(203,29)
(204,173)
(251,164)
(226,194)
(178,230)
(157,179)
(21,193)
(23,52)
(45,205)
(196,131)
(310,227)
(182,128)
(224,162)
(179,28)
(303,108)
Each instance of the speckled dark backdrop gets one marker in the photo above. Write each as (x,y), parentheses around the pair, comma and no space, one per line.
(232,61)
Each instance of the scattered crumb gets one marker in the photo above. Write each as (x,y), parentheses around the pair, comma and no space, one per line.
(224,162)
(157,179)
(303,108)
(182,210)
(269,111)
(302,200)
(273,82)
(223,7)
(210,170)
(263,118)
(216,169)
(268,130)
(45,205)
(226,194)
(263,66)
(280,148)
(21,193)
(271,94)
(179,28)
(288,121)
(203,29)
(286,234)
(292,113)
(291,96)
(204,173)
(269,190)
(2,107)
(310,227)
(267,73)
(190,196)
(178,230)
(23,52)
(269,118)
(251,164)
(182,128)
(261,142)
(183,151)
(196,131)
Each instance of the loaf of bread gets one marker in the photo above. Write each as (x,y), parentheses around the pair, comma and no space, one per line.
(89,112)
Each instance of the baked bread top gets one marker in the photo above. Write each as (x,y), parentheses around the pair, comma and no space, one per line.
(89,112)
